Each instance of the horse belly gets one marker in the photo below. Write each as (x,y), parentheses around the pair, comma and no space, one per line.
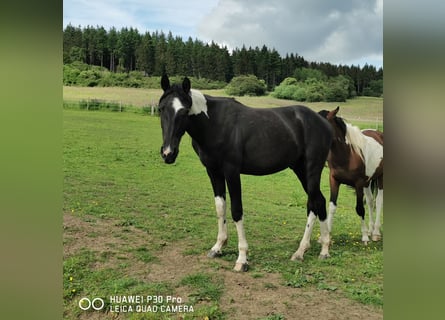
(267,157)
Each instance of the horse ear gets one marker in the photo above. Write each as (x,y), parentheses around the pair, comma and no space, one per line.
(186,85)
(333,113)
(165,82)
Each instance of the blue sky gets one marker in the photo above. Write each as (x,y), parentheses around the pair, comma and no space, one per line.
(340,32)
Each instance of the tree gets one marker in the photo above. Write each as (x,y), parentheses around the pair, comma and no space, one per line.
(155,54)
(246,85)
(112,48)
(101,44)
(145,55)
(160,51)
(303,74)
(72,38)
(127,43)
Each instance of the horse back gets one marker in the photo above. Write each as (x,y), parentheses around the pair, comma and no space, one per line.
(375,134)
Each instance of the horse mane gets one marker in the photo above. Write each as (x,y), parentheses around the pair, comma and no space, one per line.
(355,139)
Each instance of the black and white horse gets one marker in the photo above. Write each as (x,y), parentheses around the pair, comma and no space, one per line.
(232,139)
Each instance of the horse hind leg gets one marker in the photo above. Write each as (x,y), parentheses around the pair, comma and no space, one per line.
(370,203)
(234,185)
(376,236)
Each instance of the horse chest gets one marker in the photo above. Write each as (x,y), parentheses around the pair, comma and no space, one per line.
(349,174)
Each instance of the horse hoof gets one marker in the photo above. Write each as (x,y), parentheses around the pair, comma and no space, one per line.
(241,267)
(376,237)
(213,254)
(324,256)
(297,257)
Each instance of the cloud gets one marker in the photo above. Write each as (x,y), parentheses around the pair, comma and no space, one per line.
(177,16)
(339,32)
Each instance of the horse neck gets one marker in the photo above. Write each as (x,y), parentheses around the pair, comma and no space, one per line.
(202,128)
(340,153)
(199,121)
(199,126)
(355,139)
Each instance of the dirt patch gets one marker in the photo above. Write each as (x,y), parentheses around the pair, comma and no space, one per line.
(248,297)
(244,296)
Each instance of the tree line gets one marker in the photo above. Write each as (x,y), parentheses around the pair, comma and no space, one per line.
(156,53)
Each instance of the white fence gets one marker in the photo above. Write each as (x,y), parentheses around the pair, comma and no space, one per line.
(110,105)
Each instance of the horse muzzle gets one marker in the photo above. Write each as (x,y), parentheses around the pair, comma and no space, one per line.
(168,154)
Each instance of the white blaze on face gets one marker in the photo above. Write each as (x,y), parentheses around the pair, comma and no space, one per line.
(177,105)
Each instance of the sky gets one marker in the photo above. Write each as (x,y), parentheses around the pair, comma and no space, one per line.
(348,32)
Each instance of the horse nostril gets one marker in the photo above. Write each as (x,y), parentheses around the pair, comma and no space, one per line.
(166,151)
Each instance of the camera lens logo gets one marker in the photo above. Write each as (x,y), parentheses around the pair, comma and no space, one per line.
(96,303)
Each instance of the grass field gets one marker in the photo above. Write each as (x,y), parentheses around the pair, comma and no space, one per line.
(133,225)
(363,111)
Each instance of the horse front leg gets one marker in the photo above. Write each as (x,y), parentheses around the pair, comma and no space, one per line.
(219,190)
(234,185)
(360,209)
(316,206)
(305,242)
(334,186)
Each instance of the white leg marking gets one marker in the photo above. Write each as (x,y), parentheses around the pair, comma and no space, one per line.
(220,205)
(379,205)
(365,237)
(306,241)
(330,220)
(241,263)
(370,203)
(324,239)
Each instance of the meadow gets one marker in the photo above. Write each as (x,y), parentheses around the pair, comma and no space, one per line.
(136,226)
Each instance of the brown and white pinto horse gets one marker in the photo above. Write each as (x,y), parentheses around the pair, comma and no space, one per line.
(356,159)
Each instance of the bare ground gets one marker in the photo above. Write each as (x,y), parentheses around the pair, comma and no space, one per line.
(244,296)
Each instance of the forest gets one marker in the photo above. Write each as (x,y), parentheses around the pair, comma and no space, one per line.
(127,51)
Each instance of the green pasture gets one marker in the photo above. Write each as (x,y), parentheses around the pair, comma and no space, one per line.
(113,172)
(366,112)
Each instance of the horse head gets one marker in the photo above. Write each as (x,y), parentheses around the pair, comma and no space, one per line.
(337,123)
(174,107)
